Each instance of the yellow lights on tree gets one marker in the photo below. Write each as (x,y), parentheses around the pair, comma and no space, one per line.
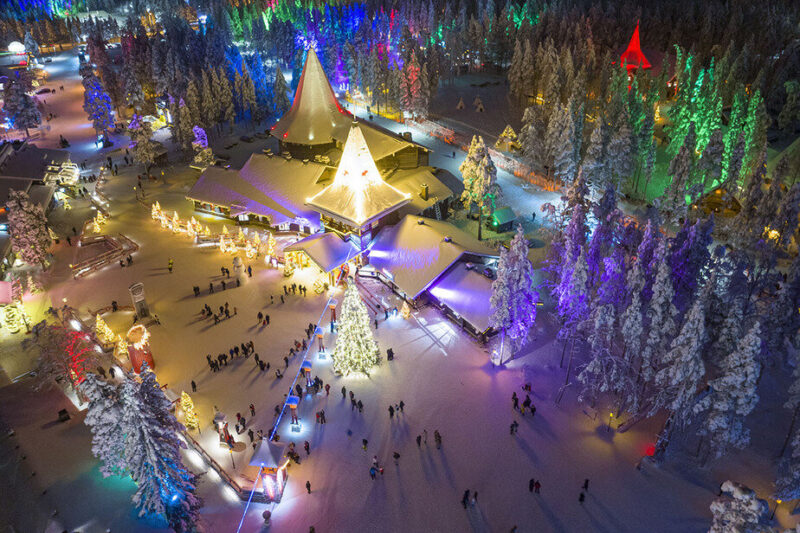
(190,419)
(103,332)
(405,311)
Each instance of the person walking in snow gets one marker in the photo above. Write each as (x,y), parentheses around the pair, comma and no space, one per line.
(530,485)
(419,440)
(586,485)
(308,486)
(396,458)
(364,443)
(438,438)
(425,436)
(465,498)
(391,412)
(307,447)
(252,410)
(581,497)
(360,406)
(475,499)
(514,400)
(526,403)
(327,389)
(537,486)
(372,472)
(344,392)
(170,264)
(194,386)
(402,405)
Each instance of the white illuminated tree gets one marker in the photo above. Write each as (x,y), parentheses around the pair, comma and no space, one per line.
(28,227)
(356,349)
(104,418)
(514,298)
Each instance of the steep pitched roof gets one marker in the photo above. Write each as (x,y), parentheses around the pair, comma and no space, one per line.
(633,57)
(358,194)
(315,113)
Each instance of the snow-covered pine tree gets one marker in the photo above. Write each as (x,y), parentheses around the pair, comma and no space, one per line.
(153,454)
(565,165)
(632,329)
(356,349)
(185,133)
(710,163)
(661,317)
(63,355)
(20,108)
(227,99)
(732,396)
(596,377)
(680,169)
(594,165)
(516,71)
(281,93)
(144,149)
(514,298)
(97,105)
(532,136)
(104,418)
(738,509)
(682,371)
(210,106)
(787,484)
(748,217)
(619,153)
(28,228)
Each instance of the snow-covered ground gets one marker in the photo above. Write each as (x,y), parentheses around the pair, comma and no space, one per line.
(442,376)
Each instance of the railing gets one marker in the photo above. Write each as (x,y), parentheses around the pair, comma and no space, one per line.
(242,492)
(121,246)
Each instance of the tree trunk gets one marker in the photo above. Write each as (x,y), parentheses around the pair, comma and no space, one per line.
(663,438)
(563,351)
(569,368)
(480,221)
(789,433)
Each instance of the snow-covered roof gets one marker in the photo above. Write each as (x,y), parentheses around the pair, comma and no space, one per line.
(358,194)
(504,215)
(327,250)
(316,117)
(466,292)
(29,161)
(268,454)
(410,181)
(315,112)
(415,252)
(266,186)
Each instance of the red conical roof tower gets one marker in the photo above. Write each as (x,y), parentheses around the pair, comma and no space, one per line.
(633,57)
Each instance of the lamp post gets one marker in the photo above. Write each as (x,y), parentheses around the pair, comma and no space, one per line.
(610,417)
(777,503)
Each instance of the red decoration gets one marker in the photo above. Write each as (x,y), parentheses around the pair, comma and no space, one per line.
(77,347)
(633,57)
(650,450)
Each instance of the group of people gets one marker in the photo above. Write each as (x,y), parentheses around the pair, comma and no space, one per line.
(243,350)
(437,438)
(224,310)
(293,288)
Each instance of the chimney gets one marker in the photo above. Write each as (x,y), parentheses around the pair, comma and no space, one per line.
(423,191)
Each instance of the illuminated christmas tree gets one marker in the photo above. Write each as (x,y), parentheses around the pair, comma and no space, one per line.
(189,414)
(102,330)
(356,350)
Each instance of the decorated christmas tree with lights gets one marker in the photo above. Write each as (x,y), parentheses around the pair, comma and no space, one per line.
(356,350)
(189,414)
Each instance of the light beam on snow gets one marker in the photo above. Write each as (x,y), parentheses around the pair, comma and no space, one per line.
(309,347)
